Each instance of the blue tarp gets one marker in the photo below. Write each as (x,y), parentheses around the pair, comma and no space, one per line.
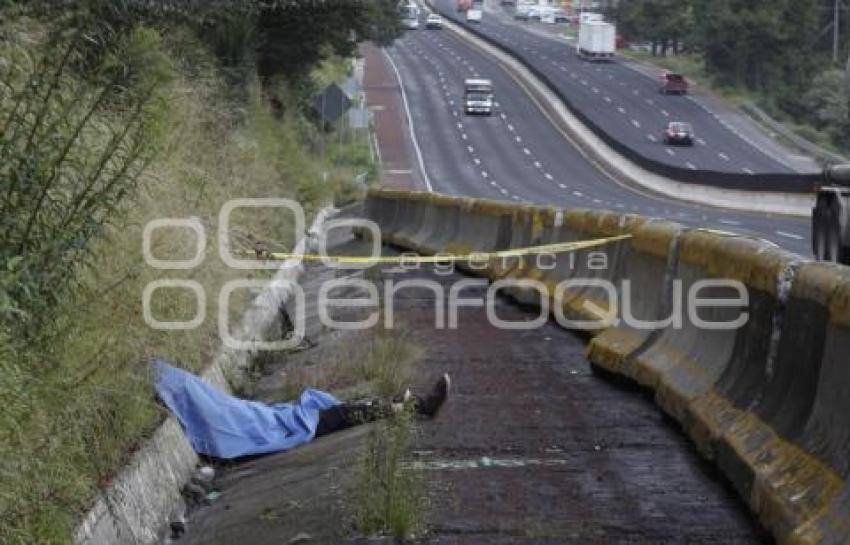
(224,426)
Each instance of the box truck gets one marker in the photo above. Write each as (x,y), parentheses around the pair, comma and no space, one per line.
(597,41)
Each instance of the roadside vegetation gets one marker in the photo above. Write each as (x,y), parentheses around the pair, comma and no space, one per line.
(778,55)
(380,364)
(111,115)
(391,497)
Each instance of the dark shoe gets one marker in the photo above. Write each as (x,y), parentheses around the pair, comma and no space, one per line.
(430,405)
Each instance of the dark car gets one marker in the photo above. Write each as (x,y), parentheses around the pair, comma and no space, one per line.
(674,84)
(679,133)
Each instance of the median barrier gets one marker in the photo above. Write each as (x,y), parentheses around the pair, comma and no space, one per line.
(486,227)
(650,267)
(686,361)
(768,402)
(581,302)
(382,207)
(411,219)
(786,449)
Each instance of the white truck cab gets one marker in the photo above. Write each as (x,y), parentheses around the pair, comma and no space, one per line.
(478,96)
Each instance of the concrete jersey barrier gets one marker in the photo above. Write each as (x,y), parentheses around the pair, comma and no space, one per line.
(767,402)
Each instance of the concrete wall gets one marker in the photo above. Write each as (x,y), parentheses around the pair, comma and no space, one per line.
(768,402)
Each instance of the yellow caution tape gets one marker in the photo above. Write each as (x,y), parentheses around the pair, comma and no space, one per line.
(557,248)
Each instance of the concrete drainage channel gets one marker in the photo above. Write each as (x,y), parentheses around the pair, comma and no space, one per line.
(145,496)
(619,168)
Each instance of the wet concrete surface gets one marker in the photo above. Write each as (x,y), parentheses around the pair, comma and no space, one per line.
(531,448)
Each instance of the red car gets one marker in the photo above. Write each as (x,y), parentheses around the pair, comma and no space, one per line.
(674,84)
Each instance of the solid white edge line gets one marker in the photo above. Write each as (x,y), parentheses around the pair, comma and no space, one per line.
(409,122)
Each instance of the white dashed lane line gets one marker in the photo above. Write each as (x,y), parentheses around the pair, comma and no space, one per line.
(792,236)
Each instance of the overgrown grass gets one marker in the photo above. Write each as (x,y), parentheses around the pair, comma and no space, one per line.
(391,496)
(76,397)
(382,365)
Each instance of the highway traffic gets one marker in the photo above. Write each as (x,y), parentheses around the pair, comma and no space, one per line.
(517,154)
(628,105)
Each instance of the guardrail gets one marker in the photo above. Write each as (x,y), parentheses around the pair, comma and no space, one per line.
(767,402)
(775,182)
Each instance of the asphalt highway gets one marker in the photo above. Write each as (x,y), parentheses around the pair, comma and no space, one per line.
(518,155)
(628,105)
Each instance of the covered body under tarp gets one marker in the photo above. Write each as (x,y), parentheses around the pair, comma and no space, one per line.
(222,426)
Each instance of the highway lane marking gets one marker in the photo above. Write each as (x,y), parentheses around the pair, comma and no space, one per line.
(670,152)
(484,174)
(503,116)
(793,236)
(518,139)
(635,123)
(597,201)
(548,176)
(526,151)
(537,164)
(723,156)
(476,160)
(470,149)
(578,193)
(607,99)
(510,127)
(733,223)
(652,137)
(562,186)
(701,142)
(748,171)
(463,135)
(690,165)
(665,113)
(621,109)
(650,102)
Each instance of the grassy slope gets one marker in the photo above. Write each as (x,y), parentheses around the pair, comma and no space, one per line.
(73,427)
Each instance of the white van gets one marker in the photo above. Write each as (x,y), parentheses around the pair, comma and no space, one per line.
(478,96)
(474,15)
